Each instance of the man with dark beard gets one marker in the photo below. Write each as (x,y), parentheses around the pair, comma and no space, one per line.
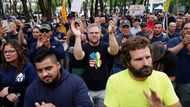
(55,87)
(139,85)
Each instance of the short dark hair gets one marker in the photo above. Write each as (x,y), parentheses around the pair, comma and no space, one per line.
(187,22)
(133,43)
(158,23)
(43,53)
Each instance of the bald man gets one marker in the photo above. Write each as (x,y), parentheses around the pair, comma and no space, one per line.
(171,30)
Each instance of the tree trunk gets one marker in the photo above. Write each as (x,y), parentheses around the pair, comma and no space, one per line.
(141,2)
(110,10)
(42,7)
(25,8)
(115,4)
(124,5)
(91,8)
(134,2)
(1,10)
(30,6)
(101,7)
(96,8)
(15,12)
(86,8)
(49,10)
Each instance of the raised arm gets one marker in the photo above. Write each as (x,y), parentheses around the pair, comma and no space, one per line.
(113,45)
(78,52)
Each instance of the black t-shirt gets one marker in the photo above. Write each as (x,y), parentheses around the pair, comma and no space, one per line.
(167,64)
(96,66)
(11,36)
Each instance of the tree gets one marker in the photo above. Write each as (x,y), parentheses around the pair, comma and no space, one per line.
(101,6)
(46,8)
(91,8)
(96,8)
(1,10)
(25,8)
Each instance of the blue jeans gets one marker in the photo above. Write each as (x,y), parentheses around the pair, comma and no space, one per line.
(97,98)
(183,92)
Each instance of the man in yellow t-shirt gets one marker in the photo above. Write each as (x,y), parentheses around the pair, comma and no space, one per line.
(139,85)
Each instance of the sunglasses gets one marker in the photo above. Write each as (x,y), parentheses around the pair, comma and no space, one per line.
(44,30)
(35,32)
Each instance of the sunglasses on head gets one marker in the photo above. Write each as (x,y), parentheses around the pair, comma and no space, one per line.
(44,30)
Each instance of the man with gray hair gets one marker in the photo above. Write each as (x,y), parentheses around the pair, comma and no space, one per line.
(171,30)
(95,56)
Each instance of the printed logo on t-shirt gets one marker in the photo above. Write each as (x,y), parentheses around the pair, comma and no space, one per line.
(20,77)
(95,60)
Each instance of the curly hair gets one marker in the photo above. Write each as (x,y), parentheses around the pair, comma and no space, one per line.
(22,56)
(132,44)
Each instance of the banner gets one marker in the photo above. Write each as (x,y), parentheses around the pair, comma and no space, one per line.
(64,15)
(166,5)
(76,5)
(136,10)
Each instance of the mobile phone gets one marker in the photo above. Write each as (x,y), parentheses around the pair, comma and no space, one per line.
(5,25)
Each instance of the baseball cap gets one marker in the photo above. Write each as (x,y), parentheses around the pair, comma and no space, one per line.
(137,20)
(45,26)
(158,49)
(78,21)
(125,23)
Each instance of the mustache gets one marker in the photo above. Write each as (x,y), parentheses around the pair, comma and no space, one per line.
(46,77)
(145,67)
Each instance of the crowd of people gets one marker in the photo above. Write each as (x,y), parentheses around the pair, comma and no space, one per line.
(108,60)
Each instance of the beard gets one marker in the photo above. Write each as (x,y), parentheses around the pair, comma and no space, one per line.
(51,81)
(142,72)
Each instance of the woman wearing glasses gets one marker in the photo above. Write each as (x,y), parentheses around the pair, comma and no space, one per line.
(16,73)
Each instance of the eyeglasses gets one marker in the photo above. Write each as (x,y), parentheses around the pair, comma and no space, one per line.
(8,52)
(35,32)
(44,30)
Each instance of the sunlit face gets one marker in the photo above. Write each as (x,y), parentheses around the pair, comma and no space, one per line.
(172,27)
(94,35)
(10,54)
(35,33)
(141,63)
(48,71)
(158,29)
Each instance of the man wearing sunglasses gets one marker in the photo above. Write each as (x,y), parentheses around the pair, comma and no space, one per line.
(125,26)
(46,40)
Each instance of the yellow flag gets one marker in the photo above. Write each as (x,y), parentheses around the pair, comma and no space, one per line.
(166,5)
(64,15)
